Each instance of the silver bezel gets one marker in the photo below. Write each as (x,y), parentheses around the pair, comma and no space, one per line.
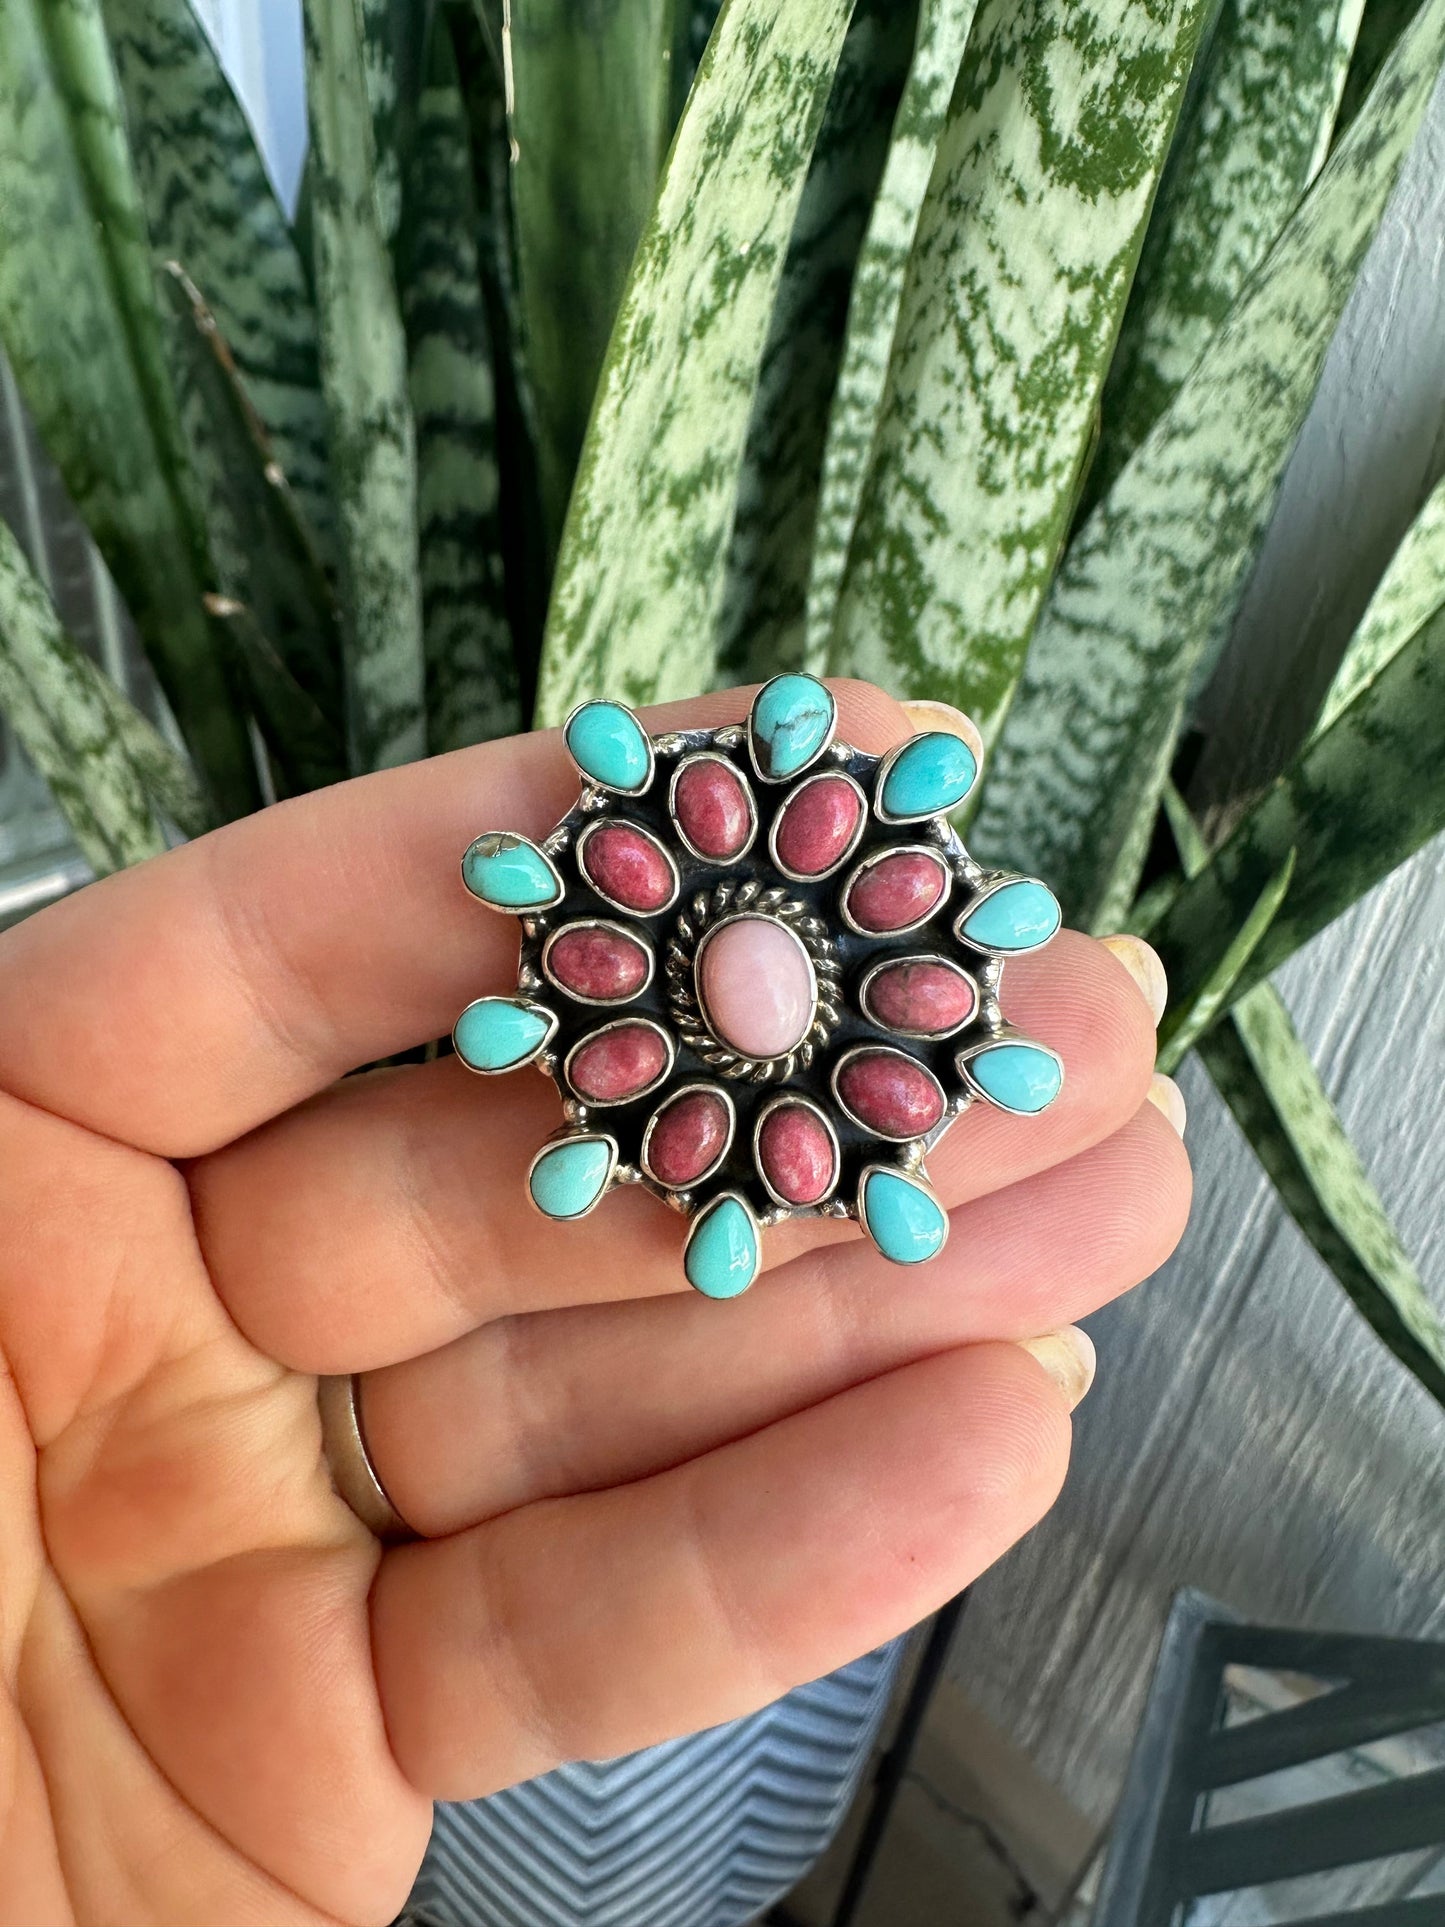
(794,1100)
(918,957)
(818,776)
(686,1090)
(700,1218)
(643,1090)
(517,1063)
(924,1183)
(821,750)
(609,789)
(713,756)
(597,923)
(963,1061)
(781,923)
(570,1137)
(886,1137)
(512,909)
(982,896)
(880,779)
(599,823)
(929,850)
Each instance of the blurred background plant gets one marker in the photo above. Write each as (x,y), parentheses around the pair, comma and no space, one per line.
(642,347)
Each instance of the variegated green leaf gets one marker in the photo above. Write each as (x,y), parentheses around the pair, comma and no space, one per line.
(369,422)
(1353,805)
(471,675)
(1265,1076)
(80,325)
(1381,24)
(50,693)
(395,34)
(261,548)
(210,205)
(1157,567)
(1254,133)
(303,740)
(761,624)
(642,565)
(1186,1022)
(877,295)
(590,115)
(1025,249)
(1411,591)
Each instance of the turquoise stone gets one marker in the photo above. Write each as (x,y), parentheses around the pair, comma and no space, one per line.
(1017,916)
(510,873)
(722,1253)
(791,725)
(932,773)
(1016,1076)
(568,1177)
(901,1216)
(498,1033)
(607,743)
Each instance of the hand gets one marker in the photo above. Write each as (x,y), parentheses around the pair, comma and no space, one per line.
(221,1700)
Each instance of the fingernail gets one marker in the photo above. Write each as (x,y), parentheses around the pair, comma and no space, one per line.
(926,714)
(1143,965)
(1166,1096)
(1069,1358)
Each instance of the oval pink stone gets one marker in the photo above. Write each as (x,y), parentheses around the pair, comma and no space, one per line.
(688,1136)
(796,1154)
(756,986)
(898,890)
(629,868)
(712,808)
(617,1063)
(891,1094)
(817,825)
(606,965)
(929,999)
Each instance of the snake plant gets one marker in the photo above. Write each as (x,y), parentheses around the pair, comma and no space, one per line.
(634,347)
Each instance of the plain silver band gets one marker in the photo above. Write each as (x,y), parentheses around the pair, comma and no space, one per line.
(352,1471)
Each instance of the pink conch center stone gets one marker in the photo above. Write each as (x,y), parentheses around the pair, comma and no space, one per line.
(756,985)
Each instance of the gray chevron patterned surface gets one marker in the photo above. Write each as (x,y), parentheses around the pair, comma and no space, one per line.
(703,1832)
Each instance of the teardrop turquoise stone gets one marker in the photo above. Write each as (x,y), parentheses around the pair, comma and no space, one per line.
(510,873)
(1016,916)
(1019,1077)
(607,743)
(932,773)
(570,1176)
(792,723)
(902,1217)
(722,1254)
(498,1033)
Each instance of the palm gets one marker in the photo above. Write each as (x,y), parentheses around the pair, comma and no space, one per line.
(224,1701)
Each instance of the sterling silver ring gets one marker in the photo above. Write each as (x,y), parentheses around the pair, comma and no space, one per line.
(355,1477)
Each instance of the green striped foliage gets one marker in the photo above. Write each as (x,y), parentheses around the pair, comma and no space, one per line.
(641,571)
(1186,1021)
(1156,568)
(1025,247)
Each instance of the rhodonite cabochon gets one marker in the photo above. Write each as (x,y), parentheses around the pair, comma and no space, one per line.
(763,970)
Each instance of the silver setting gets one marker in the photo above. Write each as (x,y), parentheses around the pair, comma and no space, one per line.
(989,889)
(511,840)
(915,1175)
(887,1137)
(824,746)
(603,1030)
(703,1214)
(529,1057)
(725,903)
(786,1101)
(963,1062)
(934,856)
(595,783)
(698,1085)
(880,780)
(621,822)
(818,776)
(713,756)
(884,964)
(575,1137)
(634,937)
